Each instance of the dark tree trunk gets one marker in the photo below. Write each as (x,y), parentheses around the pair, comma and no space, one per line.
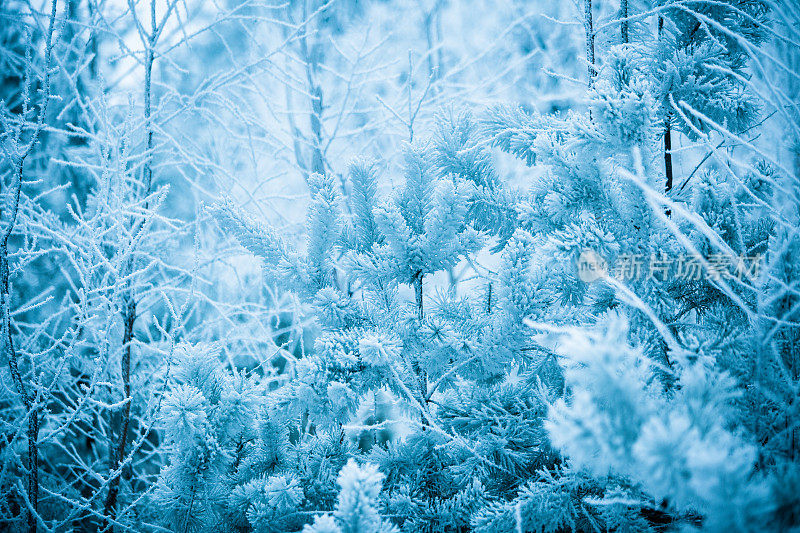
(668,155)
(589,26)
(623,11)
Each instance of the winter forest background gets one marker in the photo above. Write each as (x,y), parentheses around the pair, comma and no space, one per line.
(358,266)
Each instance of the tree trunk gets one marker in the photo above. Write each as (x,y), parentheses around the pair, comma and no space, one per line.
(623,9)
(421,372)
(589,40)
(110,507)
(668,156)
(667,135)
(418,294)
(28,401)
